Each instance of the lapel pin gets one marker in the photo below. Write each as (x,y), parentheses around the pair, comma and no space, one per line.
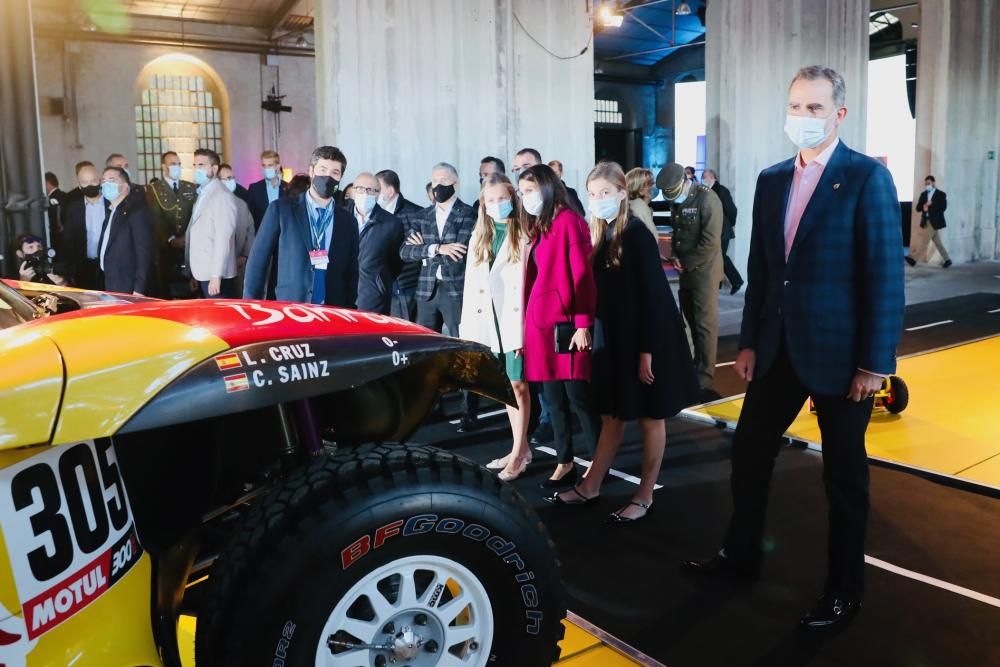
(836,186)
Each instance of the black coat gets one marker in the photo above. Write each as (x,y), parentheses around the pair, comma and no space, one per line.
(71,253)
(257,200)
(128,261)
(378,259)
(407,212)
(575,203)
(636,313)
(729,211)
(939,202)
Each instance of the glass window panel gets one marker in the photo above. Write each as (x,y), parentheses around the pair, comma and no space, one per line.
(201,114)
(138,129)
(201,83)
(156,130)
(218,115)
(152,81)
(138,112)
(145,97)
(154,113)
(153,97)
(208,100)
(145,113)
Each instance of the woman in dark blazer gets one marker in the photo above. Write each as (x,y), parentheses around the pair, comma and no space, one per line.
(642,366)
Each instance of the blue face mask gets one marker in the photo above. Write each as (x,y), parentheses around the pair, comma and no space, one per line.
(501,210)
(681,199)
(201,176)
(605,209)
(174,172)
(230,184)
(270,173)
(109,190)
(365,203)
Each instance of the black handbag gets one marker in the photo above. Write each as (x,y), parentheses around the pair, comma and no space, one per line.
(564,332)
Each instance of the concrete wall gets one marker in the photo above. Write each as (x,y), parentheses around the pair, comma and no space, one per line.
(404,84)
(754,47)
(958,124)
(102,120)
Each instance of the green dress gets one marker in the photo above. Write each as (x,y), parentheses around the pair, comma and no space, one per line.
(513,364)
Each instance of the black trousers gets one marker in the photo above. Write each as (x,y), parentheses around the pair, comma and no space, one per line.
(404,306)
(772,403)
(560,397)
(439,311)
(732,273)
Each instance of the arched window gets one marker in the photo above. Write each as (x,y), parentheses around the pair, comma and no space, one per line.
(180,107)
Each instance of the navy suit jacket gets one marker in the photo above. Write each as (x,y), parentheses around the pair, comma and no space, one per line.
(285,230)
(257,199)
(378,259)
(838,300)
(128,260)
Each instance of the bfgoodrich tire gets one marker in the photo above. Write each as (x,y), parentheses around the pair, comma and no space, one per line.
(388,552)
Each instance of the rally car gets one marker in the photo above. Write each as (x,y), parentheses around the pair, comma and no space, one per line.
(242,461)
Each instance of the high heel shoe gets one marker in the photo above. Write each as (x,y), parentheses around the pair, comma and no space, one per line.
(568,479)
(617,518)
(557,499)
(500,464)
(518,471)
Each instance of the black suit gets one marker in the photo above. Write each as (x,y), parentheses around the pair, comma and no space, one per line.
(378,259)
(575,203)
(72,251)
(258,203)
(729,213)
(404,299)
(128,259)
(935,216)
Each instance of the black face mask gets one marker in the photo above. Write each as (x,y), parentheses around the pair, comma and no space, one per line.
(325,186)
(91,191)
(443,193)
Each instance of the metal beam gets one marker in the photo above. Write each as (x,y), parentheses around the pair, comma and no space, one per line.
(281,14)
(623,56)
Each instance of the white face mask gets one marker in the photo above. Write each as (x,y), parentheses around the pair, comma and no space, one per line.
(364,202)
(532,203)
(808,132)
(230,184)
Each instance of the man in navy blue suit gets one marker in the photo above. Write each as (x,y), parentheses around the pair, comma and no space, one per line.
(315,241)
(823,317)
(261,193)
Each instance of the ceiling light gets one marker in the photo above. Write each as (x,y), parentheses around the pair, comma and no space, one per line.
(610,18)
(914,25)
(683,9)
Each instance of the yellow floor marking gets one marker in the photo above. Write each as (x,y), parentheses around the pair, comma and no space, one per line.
(949,425)
(579,648)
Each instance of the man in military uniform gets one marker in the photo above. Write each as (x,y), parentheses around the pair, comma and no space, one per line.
(696,217)
(171,201)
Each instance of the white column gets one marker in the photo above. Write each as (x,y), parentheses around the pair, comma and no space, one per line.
(958,124)
(753,49)
(403,84)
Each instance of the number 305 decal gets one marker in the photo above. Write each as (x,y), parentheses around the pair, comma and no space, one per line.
(68,528)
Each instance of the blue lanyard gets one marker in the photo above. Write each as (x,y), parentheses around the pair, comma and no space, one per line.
(323,219)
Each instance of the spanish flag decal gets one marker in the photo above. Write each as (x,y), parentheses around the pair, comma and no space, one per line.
(227,362)
(238,382)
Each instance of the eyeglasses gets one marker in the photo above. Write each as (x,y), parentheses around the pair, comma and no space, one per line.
(367,191)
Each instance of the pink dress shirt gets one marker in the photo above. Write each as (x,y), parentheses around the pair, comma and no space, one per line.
(804,183)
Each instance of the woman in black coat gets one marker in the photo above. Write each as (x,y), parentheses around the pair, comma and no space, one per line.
(642,363)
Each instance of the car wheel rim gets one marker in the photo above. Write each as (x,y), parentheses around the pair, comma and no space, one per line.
(420,611)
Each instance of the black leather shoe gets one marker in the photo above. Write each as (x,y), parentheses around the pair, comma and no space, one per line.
(910,260)
(946,264)
(721,566)
(569,479)
(542,435)
(468,424)
(736,287)
(831,611)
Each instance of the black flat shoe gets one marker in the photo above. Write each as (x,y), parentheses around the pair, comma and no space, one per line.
(910,260)
(542,435)
(569,479)
(617,518)
(736,288)
(556,498)
(721,566)
(946,264)
(831,611)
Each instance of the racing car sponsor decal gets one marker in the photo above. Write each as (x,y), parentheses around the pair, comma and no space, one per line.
(14,643)
(68,526)
(238,382)
(227,362)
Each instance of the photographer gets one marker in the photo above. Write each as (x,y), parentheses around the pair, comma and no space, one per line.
(35,267)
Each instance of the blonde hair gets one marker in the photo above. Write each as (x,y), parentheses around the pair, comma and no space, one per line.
(268,155)
(612,173)
(481,243)
(637,180)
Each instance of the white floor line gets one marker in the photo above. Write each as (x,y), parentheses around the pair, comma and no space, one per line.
(944,585)
(482,415)
(995,310)
(725,363)
(586,464)
(932,324)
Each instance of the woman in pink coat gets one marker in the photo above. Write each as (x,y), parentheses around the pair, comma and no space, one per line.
(558,290)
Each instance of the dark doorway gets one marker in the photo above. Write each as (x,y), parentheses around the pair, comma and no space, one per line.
(623,146)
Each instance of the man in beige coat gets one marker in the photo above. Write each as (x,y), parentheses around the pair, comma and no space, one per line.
(211,236)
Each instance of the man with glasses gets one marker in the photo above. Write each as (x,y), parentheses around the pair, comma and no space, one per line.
(380,234)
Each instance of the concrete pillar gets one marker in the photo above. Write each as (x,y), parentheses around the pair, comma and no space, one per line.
(753,49)
(403,84)
(958,124)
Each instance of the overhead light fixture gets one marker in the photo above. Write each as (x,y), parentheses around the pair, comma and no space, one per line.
(683,9)
(914,25)
(609,17)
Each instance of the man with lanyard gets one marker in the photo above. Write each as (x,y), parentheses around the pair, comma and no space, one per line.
(326,270)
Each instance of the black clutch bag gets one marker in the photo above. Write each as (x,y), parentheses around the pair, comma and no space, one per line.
(564,334)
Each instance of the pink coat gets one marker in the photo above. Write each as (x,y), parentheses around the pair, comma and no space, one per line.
(558,287)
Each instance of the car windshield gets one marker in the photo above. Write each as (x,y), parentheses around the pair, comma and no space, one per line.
(14,308)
